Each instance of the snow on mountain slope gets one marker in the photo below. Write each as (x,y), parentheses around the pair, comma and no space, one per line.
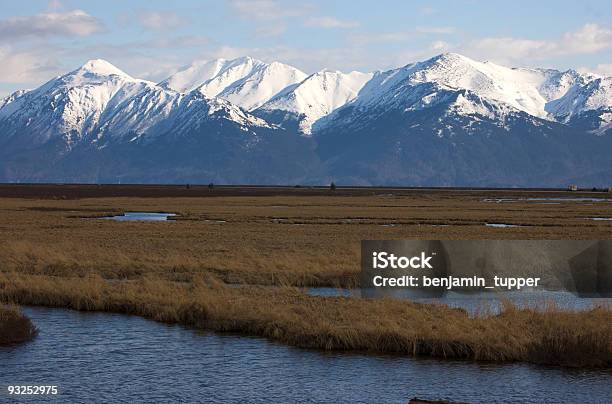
(559,83)
(244,81)
(137,115)
(538,92)
(70,105)
(596,94)
(157,111)
(194,75)
(261,85)
(12,97)
(100,102)
(445,121)
(318,95)
(515,87)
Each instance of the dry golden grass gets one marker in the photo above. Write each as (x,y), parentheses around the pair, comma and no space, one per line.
(260,243)
(14,326)
(335,323)
(178,272)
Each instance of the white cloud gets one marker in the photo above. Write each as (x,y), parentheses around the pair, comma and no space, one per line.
(365,39)
(590,38)
(330,22)
(272,17)
(604,69)
(148,67)
(269,15)
(439,46)
(160,21)
(26,66)
(308,60)
(345,58)
(71,23)
(266,10)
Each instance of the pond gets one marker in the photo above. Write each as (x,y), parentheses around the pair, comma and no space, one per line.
(119,358)
(502,225)
(141,216)
(552,200)
(476,303)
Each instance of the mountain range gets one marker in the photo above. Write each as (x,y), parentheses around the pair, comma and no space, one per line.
(445,121)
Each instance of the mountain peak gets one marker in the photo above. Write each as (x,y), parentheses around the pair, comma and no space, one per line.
(244,81)
(450,57)
(100,67)
(246,58)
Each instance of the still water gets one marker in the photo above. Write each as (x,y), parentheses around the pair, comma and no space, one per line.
(97,357)
(141,216)
(546,200)
(476,303)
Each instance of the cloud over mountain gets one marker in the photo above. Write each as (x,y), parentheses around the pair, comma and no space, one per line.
(69,23)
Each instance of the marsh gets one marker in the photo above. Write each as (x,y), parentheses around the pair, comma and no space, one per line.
(184,272)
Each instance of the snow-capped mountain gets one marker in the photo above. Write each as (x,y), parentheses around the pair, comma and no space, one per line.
(244,81)
(96,113)
(317,96)
(69,106)
(98,99)
(542,93)
(448,120)
(592,95)
(451,120)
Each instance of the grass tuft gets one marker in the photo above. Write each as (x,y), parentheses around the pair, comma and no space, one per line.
(15,327)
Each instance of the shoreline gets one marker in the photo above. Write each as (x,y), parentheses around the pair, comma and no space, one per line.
(559,338)
(80,191)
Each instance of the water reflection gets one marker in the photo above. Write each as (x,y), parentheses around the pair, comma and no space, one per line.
(117,358)
(141,216)
(475,303)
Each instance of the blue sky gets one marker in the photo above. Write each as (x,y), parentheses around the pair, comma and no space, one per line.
(152,39)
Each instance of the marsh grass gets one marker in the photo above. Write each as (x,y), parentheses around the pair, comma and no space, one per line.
(287,315)
(51,254)
(56,237)
(15,327)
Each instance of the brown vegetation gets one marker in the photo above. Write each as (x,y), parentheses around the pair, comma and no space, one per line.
(301,241)
(54,252)
(335,323)
(14,326)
